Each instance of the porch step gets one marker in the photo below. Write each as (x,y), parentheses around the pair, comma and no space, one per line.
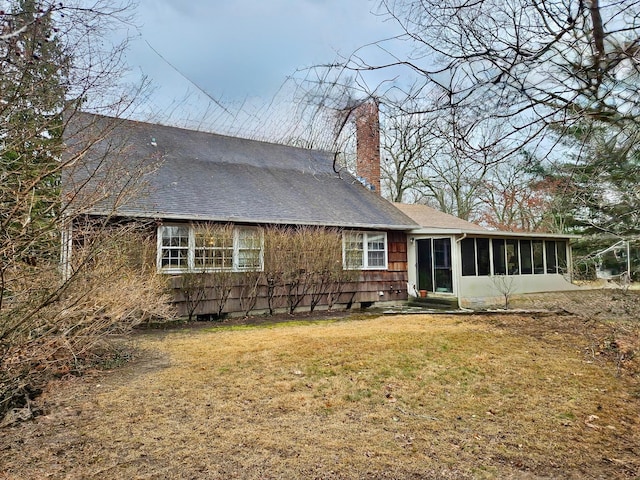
(440,303)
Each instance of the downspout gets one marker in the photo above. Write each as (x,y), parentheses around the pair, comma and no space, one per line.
(458,286)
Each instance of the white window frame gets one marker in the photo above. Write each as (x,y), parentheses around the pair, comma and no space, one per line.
(238,246)
(191,248)
(161,249)
(367,237)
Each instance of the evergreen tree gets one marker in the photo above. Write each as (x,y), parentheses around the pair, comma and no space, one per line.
(599,187)
(33,68)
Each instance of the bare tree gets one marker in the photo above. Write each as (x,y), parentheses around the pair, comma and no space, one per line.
(517,195)
(51,328)
(54,62)
(248,290)
(213,245)
(193,288)
(510,76)
(406,153)
(432,158)
(530,63)
(275,244)
(504,284)
(326,265)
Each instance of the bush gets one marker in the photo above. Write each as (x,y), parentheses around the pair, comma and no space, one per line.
(304,262)
(50,327)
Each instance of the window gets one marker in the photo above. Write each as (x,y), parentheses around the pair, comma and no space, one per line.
(484,263)
(468,247)
(550,251)
(249,247)
(213,249)
(376,250)
(175,248)
(510,256)
(556,256)
(561,248)
(538,256)
(513,254)
(353,250)
(209,248)
(499,260)
(365,250)
(525,257)
(475,257)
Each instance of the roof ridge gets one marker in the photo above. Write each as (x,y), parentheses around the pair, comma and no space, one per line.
(202,132)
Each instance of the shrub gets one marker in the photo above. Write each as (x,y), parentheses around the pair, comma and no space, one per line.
(51,327)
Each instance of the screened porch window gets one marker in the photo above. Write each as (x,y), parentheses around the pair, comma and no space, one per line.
(525,257)
(550,252)
(468,248)
(556,256)
(512,257)
(499,260)
(561,250)
(484,260)
(538,256)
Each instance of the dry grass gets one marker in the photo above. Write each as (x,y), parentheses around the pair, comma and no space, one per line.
(393,397)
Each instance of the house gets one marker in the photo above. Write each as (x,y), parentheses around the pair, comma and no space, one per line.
(190,181)
(455,259)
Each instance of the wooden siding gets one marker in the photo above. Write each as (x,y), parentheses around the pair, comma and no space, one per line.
(371,287)
(391,283)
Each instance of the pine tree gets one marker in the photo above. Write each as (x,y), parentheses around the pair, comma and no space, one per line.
(599,185)
(33,68)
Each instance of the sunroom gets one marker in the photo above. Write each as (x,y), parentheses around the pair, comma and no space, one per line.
(479,269)
(454,259)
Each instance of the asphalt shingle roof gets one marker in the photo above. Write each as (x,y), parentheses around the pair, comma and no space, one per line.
(204,176)
(428,217)
(434,221)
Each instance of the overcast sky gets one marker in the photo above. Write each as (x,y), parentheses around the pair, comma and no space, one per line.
(242,49)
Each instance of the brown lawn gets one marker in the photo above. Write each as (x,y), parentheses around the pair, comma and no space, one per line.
(421,396)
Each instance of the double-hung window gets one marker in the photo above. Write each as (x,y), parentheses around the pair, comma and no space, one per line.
(174,248)
(206,248)
(364,250)
(213,249)
(249,249)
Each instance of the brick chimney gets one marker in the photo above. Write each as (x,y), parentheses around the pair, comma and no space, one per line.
(368,144)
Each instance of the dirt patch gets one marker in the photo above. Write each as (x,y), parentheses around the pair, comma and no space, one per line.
(589,304)
(264,320)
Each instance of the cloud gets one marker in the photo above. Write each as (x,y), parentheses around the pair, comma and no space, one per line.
(248,47)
